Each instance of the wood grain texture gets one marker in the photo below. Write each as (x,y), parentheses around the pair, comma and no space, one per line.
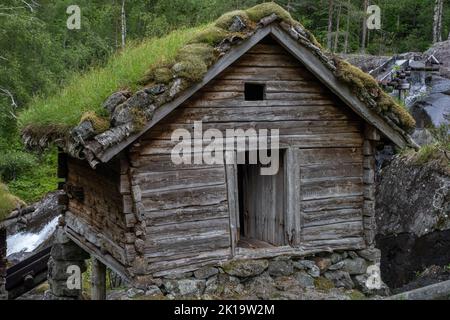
(192,211)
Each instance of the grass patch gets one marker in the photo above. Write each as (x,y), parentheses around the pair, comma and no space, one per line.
(8,202)
(86,92)
(426,154)
(438,152)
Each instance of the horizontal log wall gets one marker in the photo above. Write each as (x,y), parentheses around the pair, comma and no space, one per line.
(102,207)
(186,207)
(332,193)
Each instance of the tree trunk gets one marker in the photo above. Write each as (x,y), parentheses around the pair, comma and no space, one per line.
(123,24)
(437,21)
(347,28)
(336,36)
(364,27)
(330,23)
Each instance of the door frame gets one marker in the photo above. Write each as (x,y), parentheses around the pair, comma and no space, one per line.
(292,200)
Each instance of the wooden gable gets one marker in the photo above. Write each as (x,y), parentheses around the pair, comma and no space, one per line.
(188,209)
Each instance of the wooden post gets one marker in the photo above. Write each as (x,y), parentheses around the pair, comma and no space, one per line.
(233,198)
(293,197)
(98,280)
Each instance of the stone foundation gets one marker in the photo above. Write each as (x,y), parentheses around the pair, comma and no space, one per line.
(3,293)
(279,277)
(65,256)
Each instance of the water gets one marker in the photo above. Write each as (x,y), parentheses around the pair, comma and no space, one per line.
(29,241)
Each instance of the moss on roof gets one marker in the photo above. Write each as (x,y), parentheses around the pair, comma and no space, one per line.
(177,61)
(99,123)
(263,10)
(366,87)
(8,202)
(225,21)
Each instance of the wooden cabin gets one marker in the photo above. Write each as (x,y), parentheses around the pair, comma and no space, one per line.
(142,215)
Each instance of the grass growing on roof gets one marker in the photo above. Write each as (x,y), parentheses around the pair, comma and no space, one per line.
(86,92)
(187,54)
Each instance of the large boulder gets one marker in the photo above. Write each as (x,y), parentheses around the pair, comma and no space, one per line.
(413,197)
(412,214)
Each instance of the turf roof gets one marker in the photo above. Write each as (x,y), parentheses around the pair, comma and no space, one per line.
(178,60)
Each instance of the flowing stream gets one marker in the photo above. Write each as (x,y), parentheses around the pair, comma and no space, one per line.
(28,241)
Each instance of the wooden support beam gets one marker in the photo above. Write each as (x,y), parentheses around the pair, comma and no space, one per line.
(293,196)
(107,259)
(98,280)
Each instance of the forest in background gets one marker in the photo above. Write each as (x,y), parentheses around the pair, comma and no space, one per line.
(38,54)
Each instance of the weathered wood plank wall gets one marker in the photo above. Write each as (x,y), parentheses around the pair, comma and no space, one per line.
(100,217)
(186,207)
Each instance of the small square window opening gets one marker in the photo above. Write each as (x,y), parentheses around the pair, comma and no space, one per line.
(254,92)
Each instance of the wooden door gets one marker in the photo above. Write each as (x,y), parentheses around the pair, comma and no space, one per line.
(262,204)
